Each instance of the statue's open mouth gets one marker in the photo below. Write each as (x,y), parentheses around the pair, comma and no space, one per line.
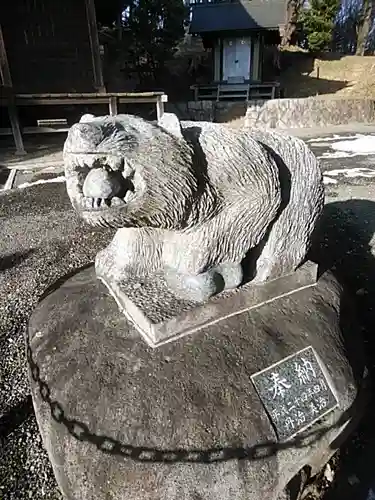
(101,181)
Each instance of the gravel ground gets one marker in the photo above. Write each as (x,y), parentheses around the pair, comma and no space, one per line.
(43,239)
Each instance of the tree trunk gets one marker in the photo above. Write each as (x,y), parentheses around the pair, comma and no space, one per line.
(364,26)
(292,10)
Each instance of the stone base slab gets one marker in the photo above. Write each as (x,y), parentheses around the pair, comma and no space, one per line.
(160,317)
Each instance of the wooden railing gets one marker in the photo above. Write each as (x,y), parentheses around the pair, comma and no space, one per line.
(191,3)
(111,99)
(236,91)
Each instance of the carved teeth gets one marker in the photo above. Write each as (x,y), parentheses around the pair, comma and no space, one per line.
(85,161)
(100,203)
(128,196)
(127,171)
(87,202)
(115,163)
(79,161)
(117,202)
(90,160)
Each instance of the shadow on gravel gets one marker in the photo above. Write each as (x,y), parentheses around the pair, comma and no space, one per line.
(14,259)
(4,174)
(343,242)
(15,417)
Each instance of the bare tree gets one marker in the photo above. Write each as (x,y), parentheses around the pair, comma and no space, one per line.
(293,8)
(364,26)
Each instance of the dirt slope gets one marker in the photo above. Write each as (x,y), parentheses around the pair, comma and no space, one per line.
(331,75)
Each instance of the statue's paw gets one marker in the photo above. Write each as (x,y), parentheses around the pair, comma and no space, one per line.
(266,270)
(232,274)
(196,288)
(111,269)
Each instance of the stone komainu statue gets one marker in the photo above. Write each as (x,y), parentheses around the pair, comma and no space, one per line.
(208,206)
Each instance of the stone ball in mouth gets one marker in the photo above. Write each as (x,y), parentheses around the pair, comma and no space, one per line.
(102,184)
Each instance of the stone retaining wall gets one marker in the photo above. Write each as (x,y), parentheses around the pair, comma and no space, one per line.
(211,111)
(280,113)
(193,110)
(309,112)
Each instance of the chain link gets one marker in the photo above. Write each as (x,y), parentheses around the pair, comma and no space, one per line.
(110,446)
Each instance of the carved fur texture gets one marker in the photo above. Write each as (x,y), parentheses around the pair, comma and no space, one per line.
(195,200)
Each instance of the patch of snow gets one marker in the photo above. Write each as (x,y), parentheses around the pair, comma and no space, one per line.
(335,154)
(328,474)
(61,178)
(329,180)
(334,137)
(10,180)
(364,145)
(353,172)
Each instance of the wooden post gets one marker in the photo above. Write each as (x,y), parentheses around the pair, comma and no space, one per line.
(217,60)
(255,62)
(6,81)
(159,107)
(15,124)
(94,43)
(113,108)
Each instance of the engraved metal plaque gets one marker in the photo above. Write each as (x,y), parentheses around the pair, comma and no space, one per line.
(296,392)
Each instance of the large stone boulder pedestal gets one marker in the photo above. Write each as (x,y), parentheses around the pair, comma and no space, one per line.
(124,421)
